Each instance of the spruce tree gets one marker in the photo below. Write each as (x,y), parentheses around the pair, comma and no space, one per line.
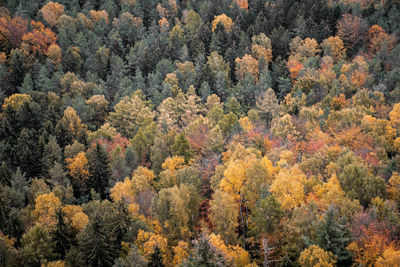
(62,237)
(96,243)
(334,236)
(99,170)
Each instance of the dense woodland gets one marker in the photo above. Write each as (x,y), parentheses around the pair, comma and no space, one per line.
(200,133)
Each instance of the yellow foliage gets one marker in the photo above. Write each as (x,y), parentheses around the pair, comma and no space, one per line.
(393,187)
(224,20)
(164,24)
(247,64)
(246,124)
(58,263)
(180,253)
(235,255)
(46,206)
(147,242)
(75,217)
(395,116)
(10,241)
(288,187)
(314,256)
(333,46)
(15,101)
(234,178)
(174,163)
(123,191)
(79,170)
(3,57)
(54,53)
(390,258)
(243,4)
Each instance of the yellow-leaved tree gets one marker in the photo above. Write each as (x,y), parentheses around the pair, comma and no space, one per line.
(316,256)
(46,206)
(224,20)
(288,187)
(79,171)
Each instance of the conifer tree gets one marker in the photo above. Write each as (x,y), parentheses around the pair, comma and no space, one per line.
(99,170)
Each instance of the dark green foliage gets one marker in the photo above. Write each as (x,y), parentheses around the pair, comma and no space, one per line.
(96,242)
(61,236)
(156,259)
(99,170)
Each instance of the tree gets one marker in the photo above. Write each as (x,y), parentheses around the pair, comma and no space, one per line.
(267,106)
(390,257)
(333,46)
(61,236)
(51,154)
(224,216)
(334,236)
(245,65)
(51,12)
(70,128)
(130,114)
(176,208)
(79,171)
(46,207)
(351,29)
(36,247)
(226,22)
(181,147)
(8,254)
(99,170)
(288,188)
(96,243)
(315,256)
(205,254)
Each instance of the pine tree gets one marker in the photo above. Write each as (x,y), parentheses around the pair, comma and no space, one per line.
(99,170)
(181,147)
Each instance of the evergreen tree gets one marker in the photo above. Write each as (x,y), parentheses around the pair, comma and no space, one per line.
(205,254)
(334,236)
(181,147)
(99,170)
(61,236)
(96,243)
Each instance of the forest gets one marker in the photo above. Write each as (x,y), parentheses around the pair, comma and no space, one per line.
(196,133)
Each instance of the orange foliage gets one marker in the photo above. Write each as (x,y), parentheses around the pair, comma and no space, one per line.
(96,16)
(164,24)
(39,39)
(294,67)
(377,38)
(243,4)
(339,102)
(370,246)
